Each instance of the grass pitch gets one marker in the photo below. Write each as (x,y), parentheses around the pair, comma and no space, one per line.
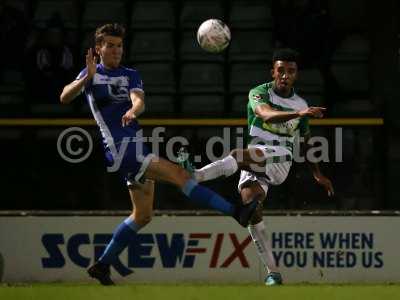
(198,292)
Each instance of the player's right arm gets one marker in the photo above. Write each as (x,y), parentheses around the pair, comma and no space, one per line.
(270,115)
(260,103)
(72,90)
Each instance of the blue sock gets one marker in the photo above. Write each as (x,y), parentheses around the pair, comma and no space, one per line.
(204,196)
(122,235)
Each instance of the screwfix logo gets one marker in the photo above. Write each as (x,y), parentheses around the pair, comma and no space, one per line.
(176,250)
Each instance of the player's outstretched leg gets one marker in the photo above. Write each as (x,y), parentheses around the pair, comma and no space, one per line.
(163,170)
(142,201)
(238,159)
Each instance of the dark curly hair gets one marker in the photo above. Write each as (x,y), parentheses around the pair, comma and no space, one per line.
(285,54)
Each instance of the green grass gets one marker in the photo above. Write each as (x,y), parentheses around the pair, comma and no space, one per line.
(199,292)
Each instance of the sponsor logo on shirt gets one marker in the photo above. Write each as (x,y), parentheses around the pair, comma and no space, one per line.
(257,98)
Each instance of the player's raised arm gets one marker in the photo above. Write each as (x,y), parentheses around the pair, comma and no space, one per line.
(268,114)
(72,90)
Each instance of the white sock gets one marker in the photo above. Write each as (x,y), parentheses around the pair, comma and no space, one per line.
(263,246)
(224,167)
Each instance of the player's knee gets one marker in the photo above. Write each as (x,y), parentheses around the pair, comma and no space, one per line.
(236,153)
(246,158)
(248,195)
(148,194)
(182,176)
(239,156)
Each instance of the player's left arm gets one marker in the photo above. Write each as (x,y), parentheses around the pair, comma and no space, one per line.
(136,94)
(138,106)
(318,176)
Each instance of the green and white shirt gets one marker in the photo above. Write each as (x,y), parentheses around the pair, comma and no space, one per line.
(275,134)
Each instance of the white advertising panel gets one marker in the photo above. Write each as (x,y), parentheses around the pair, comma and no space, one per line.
(203,249)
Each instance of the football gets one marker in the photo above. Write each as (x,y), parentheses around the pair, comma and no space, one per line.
(213,35)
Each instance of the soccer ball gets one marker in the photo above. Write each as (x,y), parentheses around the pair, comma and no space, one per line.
(213,35)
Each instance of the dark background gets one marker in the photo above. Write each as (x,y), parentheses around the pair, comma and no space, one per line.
(349,63)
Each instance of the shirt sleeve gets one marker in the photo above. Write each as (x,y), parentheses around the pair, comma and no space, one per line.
(304,126)
(257,97)
(135,82)
(81,74)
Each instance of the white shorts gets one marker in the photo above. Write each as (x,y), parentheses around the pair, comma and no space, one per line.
(279,161)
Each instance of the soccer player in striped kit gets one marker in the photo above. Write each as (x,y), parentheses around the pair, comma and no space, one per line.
(275,114)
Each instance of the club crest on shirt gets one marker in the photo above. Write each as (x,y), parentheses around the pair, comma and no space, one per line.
(117,87)
(257,97)
(118,91)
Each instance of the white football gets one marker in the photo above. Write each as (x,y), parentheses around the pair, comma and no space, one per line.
(213,35)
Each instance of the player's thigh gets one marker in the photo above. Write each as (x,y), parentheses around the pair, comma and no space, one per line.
(142,197)
(163,170)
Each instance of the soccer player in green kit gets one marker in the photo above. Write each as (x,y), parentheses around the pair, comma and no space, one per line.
(276,114)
